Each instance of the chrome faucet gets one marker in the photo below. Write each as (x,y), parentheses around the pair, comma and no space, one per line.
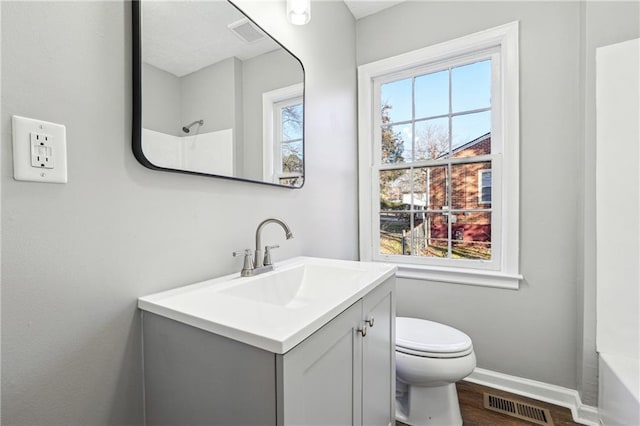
(258,261)
(261,264)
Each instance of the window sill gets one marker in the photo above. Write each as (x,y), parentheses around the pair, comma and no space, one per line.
(460,276)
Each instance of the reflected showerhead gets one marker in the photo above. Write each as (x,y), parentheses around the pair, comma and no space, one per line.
(188,127)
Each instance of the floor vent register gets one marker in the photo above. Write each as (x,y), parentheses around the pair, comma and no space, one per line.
(518,409)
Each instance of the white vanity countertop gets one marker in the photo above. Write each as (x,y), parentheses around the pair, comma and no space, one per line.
(276,310)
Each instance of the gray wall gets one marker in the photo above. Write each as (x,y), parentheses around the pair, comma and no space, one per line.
(161,101)
(76,256)
(210,94)
(536,332)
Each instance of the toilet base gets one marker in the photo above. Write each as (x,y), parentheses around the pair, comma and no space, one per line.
(429,406)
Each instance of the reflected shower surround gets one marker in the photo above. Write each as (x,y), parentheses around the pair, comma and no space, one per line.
(210,152)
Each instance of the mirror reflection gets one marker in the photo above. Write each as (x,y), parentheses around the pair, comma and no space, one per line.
(219,96)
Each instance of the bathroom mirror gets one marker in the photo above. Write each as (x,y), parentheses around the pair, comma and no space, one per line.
(215,95)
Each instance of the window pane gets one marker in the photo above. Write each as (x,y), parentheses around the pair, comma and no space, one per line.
(484,187)
(395,99)
(431,235)
(467,130)
(471,86)
(395,189)
(430,187)
(485,196)
(420,197)
(432,94)
(465,191)
(471,236)
(395,233)
(292,122)
(396,144)
(292,157)
(486,178)
(432,139)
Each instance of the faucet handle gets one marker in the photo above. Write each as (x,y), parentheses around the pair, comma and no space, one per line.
(267,254)
(247,267)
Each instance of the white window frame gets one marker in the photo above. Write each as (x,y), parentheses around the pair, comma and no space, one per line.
(480,187)
(503,270)
(271,150)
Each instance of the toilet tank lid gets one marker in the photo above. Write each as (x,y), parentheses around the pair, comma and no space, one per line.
(429,336)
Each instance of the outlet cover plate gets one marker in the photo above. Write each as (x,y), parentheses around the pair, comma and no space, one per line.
(25,130)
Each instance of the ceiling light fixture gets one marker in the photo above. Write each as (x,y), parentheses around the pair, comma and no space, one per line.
(299,11)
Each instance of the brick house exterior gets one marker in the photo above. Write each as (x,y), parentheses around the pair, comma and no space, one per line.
(466,192)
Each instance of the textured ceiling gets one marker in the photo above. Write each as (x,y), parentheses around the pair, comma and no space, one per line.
(185,36)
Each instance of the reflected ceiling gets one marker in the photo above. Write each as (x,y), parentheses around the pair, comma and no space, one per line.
(182,49)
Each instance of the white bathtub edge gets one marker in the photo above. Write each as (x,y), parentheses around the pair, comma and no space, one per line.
(619,389)
(557,395)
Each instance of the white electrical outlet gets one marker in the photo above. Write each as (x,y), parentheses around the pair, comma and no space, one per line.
(39,150)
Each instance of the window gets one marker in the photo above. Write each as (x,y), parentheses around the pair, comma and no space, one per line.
(435,136)
(288,141)
(439,160)
(283,156)
(484,186)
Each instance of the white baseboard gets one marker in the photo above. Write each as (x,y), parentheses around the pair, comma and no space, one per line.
(557,395)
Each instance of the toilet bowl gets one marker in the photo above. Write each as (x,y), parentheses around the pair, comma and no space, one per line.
(430,358)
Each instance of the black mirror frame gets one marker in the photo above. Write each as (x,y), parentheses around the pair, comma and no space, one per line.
(136,134)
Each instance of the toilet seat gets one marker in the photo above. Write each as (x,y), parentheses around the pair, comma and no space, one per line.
(430,339)
(434,354)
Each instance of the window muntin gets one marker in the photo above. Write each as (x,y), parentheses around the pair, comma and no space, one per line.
(435,134)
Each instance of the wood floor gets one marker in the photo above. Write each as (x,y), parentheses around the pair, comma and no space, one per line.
(471,397)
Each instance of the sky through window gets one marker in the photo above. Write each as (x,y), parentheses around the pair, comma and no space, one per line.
(462,92)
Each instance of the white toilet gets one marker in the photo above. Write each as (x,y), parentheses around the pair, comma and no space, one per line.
(430,358)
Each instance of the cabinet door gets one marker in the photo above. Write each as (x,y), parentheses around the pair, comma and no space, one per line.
(378,356)
(319,380)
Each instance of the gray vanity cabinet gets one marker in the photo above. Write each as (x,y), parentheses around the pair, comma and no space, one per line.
(378,358)
(340,376)
(336,376)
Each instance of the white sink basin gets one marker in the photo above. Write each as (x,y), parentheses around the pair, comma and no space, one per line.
(299,286)
(274,311)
